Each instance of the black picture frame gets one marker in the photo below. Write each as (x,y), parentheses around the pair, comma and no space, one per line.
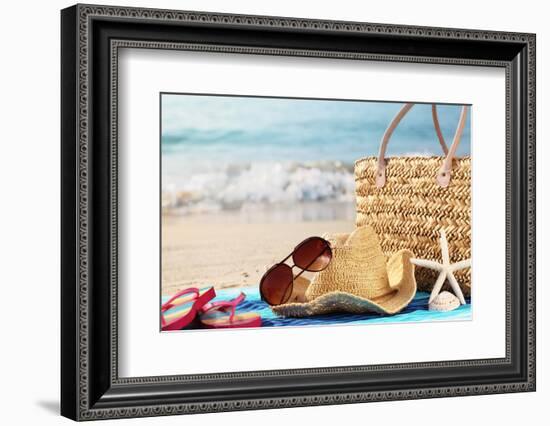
(90,38)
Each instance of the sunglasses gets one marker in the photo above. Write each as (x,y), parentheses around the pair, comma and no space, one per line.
(313,255)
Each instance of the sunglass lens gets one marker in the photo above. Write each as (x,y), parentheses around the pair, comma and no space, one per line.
(276,284)
(312,255)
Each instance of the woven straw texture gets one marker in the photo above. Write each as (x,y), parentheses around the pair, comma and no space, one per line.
(411,208)
(355,262)
(358,279)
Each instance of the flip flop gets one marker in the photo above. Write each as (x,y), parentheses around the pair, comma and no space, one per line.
(222,315)
(182,308)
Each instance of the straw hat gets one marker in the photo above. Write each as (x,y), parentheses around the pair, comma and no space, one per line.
(359,279)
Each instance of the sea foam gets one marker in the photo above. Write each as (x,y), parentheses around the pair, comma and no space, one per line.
(236,187)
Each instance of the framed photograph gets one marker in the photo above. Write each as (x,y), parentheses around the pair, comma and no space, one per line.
(247,181)
(263,212)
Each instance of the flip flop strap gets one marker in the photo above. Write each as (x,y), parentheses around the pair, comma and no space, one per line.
(223,305)
(168,304)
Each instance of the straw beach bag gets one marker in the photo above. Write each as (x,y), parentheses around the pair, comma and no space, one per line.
(407,200)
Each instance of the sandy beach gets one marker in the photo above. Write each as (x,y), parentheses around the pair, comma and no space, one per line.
(224,250)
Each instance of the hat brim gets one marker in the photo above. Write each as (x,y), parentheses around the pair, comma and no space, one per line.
(401,280)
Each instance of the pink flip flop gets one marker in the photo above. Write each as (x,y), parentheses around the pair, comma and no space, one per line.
(222,315)
(182,308)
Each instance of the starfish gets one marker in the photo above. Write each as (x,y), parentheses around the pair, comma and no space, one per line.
(445,269)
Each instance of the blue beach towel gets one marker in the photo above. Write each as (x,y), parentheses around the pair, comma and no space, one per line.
(417,311)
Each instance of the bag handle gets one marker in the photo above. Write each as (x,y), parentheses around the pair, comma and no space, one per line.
(444,175)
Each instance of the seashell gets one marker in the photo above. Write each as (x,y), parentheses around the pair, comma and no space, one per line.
(444,301)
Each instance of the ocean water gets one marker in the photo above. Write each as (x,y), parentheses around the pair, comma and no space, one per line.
(416,311)
(231,153)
